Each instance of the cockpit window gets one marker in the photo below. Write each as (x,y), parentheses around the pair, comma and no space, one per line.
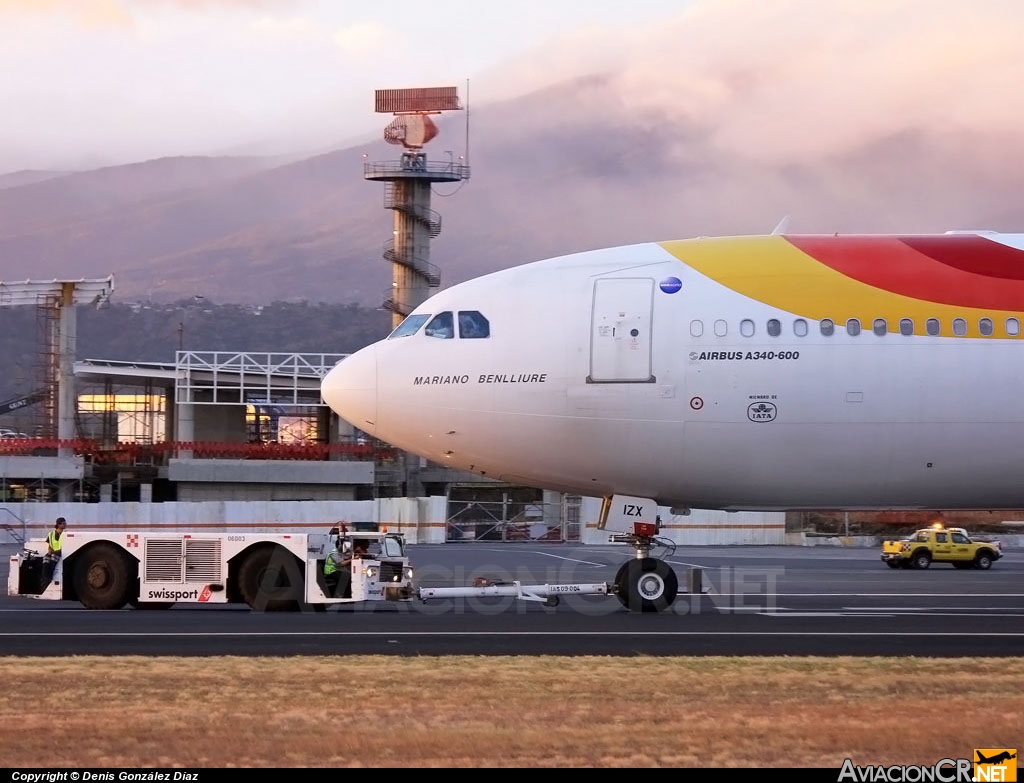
(473,325)
(441,326)
(410,325)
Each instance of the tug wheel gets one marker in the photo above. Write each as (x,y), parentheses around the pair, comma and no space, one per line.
(101,576)
(270,580)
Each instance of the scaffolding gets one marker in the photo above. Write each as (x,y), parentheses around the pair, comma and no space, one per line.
(56,337)
(222,377)
(47,363)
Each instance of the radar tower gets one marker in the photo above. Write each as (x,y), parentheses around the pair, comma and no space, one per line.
(407,191)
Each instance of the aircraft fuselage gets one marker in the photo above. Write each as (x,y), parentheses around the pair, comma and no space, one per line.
(703,373)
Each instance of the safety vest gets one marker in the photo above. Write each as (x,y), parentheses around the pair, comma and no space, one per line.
(54,539)
(332,562)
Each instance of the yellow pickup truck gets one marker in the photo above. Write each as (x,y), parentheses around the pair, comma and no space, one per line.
(941,545)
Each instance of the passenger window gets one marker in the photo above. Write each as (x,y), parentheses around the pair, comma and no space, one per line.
(774,327)
(747,327)
(941,538)
(959,327)
(932,327)
(721,328)
(853,327)
(441,326)
(906,327)
(800,327)
(828,327)
(473,325)
(880,327)
(410,325)
(696,328)
(985,327)
(1012,327)
(960,538)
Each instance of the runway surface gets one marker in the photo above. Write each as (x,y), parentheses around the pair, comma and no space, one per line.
(758,601)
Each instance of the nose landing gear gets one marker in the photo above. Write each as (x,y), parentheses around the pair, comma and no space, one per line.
(645,583)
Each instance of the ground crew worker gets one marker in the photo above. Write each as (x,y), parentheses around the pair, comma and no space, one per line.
(338,569)
(54,540)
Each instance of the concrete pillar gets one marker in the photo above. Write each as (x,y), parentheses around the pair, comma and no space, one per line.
(411,468)
(412,243)
(185,421)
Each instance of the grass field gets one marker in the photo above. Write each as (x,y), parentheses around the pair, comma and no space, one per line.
(362,711)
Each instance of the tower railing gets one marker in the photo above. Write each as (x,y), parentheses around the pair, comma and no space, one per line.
(436,171)
(428,217)
(413,261)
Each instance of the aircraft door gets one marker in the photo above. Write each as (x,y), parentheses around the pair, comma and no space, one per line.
(620,331)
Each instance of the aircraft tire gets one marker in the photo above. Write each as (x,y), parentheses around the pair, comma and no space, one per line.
(101,576)
(269,579)
(647,585)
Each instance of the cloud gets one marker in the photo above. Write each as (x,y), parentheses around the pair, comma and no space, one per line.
(160,84)
(87,13)
(794,79)
(362,38)
(877,116)
(119,13)
(772,84)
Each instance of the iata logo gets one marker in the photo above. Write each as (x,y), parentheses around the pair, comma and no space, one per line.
(762,411)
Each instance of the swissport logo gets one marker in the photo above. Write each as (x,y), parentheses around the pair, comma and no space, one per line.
(163,594)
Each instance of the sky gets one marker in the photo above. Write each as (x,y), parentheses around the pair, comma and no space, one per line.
(92,82)
(85,83)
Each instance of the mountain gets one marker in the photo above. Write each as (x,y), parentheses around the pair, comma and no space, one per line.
(27,177)
(574,166)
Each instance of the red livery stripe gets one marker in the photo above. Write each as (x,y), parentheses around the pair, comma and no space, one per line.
(967,270)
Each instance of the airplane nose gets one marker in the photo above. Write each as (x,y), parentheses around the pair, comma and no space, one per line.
(350,389)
